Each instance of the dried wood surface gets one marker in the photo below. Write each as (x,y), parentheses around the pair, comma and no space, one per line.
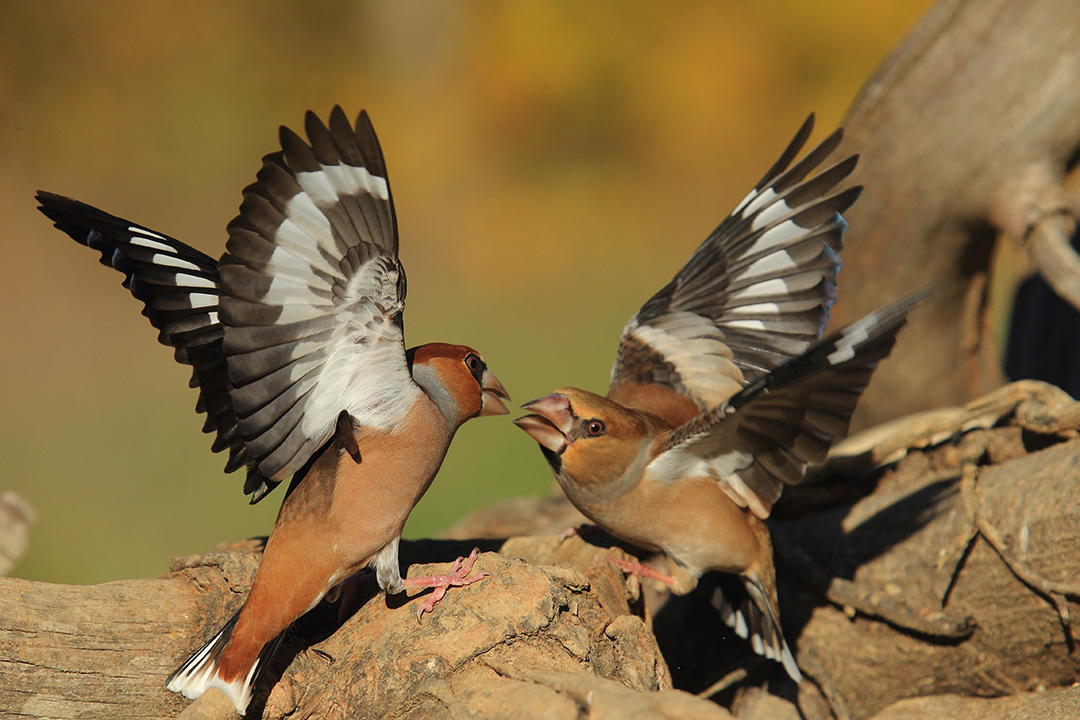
(933,558)
(979,98)
(552,637)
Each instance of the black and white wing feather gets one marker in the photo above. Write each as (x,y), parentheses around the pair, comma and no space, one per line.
(300,320)
(312,295)
(178,286)
(764,437)
(756,293)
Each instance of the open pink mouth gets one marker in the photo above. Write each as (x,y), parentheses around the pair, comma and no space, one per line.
(551,422)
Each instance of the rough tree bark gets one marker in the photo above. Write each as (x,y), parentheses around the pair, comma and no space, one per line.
(927,570)
(551,637)
(934,558)
(967,133)
(956,575)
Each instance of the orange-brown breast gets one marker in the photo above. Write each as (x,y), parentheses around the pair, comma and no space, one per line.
(692,520)
(335,520)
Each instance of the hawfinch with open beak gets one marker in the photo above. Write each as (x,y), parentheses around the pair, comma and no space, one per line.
(722,392)
(295,341)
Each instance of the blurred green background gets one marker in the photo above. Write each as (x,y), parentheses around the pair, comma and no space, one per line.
(553,164)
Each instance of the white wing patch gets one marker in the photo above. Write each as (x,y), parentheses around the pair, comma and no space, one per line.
(332,181)
(746,324)
(287,291)
(306,231)
(173,261)
(777,237)
(137,231)
(201,300)
(288,262)
(695,348)
(757,308)
(195,281)
(145,242)
(694,461)
(770,214)
(363,372)
(850,339)
(753,202)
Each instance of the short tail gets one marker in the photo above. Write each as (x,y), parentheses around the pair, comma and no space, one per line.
(203,671)
(753,617)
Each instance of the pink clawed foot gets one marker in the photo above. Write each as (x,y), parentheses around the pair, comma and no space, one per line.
(457,577)
(642,571)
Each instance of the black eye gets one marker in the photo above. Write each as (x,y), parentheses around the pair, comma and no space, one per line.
(474,363)
(594,428)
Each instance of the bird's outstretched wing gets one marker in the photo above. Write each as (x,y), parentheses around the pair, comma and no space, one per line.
(312,295)
(756,293)
(765,436)
(300,320)
(178,286)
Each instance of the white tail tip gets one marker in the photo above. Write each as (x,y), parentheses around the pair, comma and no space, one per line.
(200,673)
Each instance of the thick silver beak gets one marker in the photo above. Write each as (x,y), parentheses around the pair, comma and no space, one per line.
(492,393)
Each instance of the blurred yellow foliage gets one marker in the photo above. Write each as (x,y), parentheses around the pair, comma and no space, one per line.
(553,164)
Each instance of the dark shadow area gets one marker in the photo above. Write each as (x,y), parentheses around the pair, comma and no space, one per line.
(700,649)
(1044,335)
(840,554)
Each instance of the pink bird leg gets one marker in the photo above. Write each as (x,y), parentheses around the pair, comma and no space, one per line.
(457,577)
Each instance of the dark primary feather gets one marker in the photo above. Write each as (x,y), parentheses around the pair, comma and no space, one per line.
(319,213)
(860,344)
(791,416)
(169,277)
(761,285)
(310,267)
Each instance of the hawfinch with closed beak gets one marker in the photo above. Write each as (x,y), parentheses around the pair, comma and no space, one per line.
(295,341)
(723,391)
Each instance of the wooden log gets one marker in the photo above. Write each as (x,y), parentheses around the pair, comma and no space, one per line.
(535,639)
(978,98)
(1052,703)
(936,555)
